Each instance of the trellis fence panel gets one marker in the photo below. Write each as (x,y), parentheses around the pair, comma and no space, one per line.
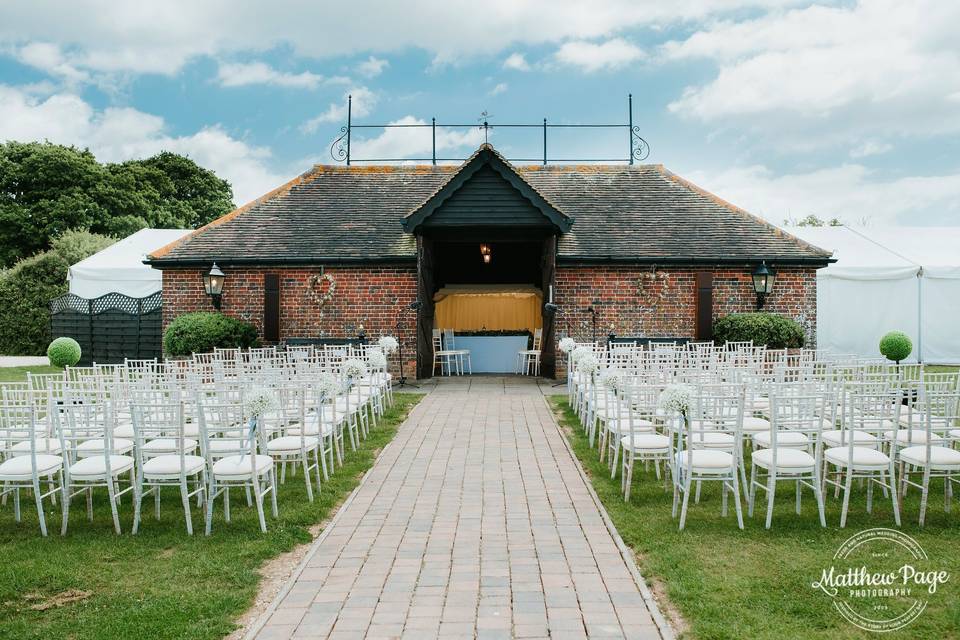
(111,327)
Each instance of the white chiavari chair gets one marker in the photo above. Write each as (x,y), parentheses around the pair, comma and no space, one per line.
(873,408)
(638,442)
(235,460)
(793,449)
(79,424)
(929,452)
(708,447)
(19,425)
(300,448)
(163,417)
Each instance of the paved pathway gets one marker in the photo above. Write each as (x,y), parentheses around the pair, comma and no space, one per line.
(474,522)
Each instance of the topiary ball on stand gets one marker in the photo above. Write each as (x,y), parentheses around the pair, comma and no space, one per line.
(64,352)
(896,346)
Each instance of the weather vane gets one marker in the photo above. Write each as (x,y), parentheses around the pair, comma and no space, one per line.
(484,116)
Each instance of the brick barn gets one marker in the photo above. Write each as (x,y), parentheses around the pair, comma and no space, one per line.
(628,250)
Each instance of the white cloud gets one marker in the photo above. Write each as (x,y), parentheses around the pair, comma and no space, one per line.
(499,88)
(243,74)
(829,75)
(372,66)
(161,37)
(47,57)
(590,56)
(364,100)
(870,148)
(516,62)
(120,134)
(850,192)
(415,141)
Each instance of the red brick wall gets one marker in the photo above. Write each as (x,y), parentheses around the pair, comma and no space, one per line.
(637,301)
(629,300)
(375,296)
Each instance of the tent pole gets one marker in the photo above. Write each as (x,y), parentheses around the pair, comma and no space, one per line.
(920,315)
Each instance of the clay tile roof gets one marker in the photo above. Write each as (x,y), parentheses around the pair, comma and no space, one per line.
(626,213)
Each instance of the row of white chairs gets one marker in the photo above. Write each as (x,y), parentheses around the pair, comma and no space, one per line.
(137,427)
(815,420)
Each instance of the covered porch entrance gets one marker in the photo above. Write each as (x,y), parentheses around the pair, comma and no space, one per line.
(486,257)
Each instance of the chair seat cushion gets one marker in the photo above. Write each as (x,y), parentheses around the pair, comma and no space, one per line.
(292,443)
(96,466)
(235,467)
(786,459)
(645,442)
(168,466)
(941,458)
(169,445)
(914,436)
(121,446)
(753,424)
(312,428)
(919,419)
(124,429)
(713,440)
(622,425)
(784,439)
(875,424)
(839,437)
(220,446)
(707,461)
(20,468)
(863,457)
(44,445)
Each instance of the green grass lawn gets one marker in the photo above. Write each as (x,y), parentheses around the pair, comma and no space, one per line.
(18,374)
(727,583)
(160,583)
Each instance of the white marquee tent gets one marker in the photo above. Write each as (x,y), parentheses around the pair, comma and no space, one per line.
(119,268)
(905,279)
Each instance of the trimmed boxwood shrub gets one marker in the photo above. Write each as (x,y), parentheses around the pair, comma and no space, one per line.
(64,352)
(896,346)
(770,329)
(201,332)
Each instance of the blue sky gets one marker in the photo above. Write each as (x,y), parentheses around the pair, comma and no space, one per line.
(786,108)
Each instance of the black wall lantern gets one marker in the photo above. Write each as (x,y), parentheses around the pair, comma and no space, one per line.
(763,278)
(213,284)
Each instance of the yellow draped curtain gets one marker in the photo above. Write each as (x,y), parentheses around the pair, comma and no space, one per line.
(491,308)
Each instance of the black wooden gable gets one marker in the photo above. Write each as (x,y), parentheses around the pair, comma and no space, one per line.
(487,191)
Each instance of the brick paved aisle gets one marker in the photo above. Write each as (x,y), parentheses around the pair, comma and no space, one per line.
(474,522)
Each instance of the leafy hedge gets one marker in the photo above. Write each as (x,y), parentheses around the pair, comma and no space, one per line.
(772,330)
(201,332)
(27,288)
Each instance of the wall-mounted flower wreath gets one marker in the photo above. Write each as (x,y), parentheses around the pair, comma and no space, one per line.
(647,287)
(320,296)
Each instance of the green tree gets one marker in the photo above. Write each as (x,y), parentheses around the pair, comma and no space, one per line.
(46,189)
(813,221)
(27,288)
